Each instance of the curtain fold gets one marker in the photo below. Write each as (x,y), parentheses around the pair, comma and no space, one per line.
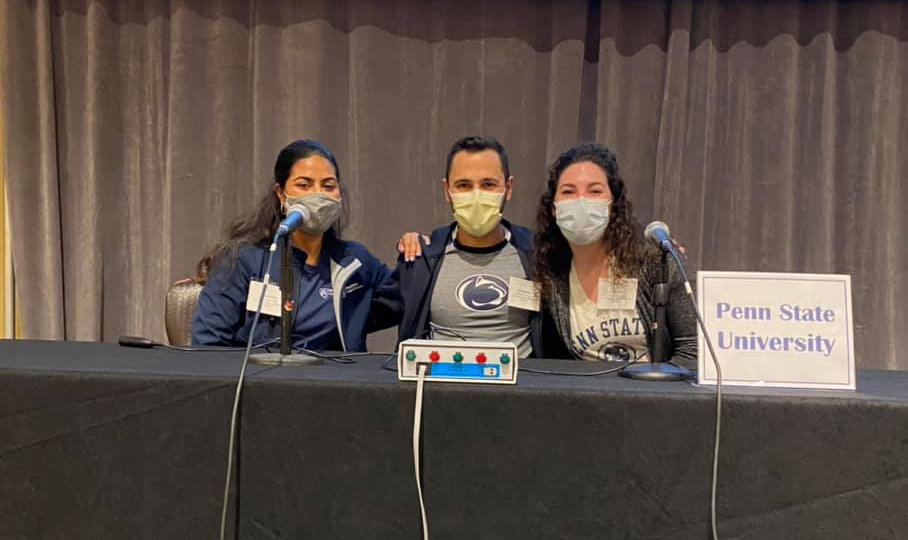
(768,135)
(7,305)
(31,167)
(7,317)
(787,155)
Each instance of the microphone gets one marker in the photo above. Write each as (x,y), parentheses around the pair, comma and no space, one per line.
(658,233)
(296,215)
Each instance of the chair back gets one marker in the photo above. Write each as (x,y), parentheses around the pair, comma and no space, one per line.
(179,307)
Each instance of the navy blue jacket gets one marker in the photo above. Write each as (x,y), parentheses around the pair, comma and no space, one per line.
(370,302)
(417,282)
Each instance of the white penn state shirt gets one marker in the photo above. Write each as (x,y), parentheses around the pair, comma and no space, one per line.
(603,334)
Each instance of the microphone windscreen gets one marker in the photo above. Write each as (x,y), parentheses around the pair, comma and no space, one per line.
(656,231)
(297,214)
(302,210)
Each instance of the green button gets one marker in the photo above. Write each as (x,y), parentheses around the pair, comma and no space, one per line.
(505,358)
(411,355)
(458,357)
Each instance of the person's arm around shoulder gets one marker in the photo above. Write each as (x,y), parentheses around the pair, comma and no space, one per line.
(411,245)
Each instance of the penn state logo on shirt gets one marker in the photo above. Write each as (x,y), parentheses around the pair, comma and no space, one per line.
(482,292)
(617,352)
(328,292)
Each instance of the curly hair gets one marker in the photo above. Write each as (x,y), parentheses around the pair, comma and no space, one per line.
(260,223)
(622,238)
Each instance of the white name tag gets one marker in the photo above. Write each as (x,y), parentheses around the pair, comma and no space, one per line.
(617,295)
(272,303)
(523,294)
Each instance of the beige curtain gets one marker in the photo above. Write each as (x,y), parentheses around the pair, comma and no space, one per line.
(767,134)
(7,308)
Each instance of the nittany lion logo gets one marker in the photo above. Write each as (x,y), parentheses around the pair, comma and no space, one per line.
(617,352)
(482,292)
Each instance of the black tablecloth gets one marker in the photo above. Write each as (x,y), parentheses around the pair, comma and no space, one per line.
(97,441)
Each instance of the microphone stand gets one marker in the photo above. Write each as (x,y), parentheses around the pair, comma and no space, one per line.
(658,369)
(286,356)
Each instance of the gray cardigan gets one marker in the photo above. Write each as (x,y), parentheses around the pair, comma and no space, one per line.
(679,313)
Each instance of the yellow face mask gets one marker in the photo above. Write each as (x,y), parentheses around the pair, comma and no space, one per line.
(477,212)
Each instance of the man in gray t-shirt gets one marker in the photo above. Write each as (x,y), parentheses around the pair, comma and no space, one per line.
(457,284)
(470,297)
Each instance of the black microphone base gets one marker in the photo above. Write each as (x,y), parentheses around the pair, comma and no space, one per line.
(278,359)
(656,371)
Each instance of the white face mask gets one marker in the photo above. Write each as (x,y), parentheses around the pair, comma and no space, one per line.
(477,212)
(582,221)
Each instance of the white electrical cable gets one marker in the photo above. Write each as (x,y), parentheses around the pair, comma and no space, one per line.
(714,485)
(417,421)
(239,388)
(714,529)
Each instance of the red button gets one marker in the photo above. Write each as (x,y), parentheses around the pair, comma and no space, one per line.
(481,358)
(434,356)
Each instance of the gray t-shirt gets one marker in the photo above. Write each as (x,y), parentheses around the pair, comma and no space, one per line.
(470,298)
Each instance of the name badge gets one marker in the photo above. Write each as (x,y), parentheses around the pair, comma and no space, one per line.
(621,294)
(272,303)
(523,294)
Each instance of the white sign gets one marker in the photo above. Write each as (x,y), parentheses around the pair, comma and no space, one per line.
(781,330)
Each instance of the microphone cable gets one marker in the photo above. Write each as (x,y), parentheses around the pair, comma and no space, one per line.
(231,443)
(622,367)
(714,531)
(146,343)
(239,387)
(417,425)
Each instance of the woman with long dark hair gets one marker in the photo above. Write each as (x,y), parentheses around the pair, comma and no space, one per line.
(341,291)
(595,269)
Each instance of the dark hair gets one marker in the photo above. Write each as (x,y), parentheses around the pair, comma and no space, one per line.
(622,236)
(261,223)
(477,143)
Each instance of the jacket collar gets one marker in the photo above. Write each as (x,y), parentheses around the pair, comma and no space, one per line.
(443,236)
(337,249)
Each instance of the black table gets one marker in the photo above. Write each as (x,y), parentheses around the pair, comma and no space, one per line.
(97,441)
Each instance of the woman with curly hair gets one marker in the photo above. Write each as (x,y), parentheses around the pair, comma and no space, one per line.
(588,243)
